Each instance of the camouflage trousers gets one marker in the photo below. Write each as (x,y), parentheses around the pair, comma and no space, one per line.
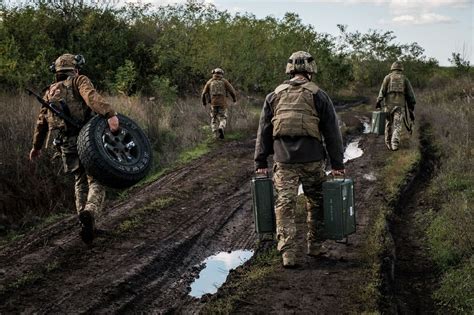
(393,128)
(89,194)
(287,178)
(218,118)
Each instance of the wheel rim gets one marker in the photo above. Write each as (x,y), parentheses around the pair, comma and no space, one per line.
(121,147)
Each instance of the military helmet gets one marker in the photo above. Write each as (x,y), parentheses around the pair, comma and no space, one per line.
(67,62)
(301,62)
(218,71)
(397,65)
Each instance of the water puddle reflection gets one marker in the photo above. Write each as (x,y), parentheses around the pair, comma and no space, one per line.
(353,151)
(216,270)
(370,177)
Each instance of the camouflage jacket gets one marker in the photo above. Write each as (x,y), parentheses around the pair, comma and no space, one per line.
(85,94)
(217,100)
(300,149)
(404,93)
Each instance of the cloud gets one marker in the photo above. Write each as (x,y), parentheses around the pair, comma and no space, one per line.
(422,19)
(410,4)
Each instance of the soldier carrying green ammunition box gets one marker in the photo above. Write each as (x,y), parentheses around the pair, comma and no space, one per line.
(297,117)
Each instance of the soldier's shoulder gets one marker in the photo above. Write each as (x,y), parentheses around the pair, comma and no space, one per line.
(81,78)
(281,87)
(270,97)
(312,87)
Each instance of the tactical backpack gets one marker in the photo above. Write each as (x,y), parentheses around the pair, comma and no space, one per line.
(294,111)
(397,84)
(217,87)
(66,101)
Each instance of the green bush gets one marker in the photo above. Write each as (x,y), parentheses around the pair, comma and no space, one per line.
(125,78)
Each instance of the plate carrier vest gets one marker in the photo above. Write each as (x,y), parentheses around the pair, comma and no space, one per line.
(294,111)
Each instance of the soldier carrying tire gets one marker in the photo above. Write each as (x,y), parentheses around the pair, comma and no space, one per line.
(74,95)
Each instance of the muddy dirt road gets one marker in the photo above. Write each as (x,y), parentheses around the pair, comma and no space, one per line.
(160,234)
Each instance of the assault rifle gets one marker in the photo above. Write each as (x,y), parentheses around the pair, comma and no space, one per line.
(61,113)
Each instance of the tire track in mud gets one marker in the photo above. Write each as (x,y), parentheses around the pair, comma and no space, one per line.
(149,269)
(414,277)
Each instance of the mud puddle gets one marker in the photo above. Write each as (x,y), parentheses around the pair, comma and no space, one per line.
(352,150)
(216,269)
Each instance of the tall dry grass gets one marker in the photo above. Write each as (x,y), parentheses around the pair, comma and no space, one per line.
(449,108)
(29,192)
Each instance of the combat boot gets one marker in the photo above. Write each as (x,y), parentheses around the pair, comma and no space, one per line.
(289,259)
(87,227)
(315,249)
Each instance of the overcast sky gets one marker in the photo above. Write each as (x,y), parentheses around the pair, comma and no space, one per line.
(439,26)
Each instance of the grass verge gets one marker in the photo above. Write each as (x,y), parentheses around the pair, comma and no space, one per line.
(243,281)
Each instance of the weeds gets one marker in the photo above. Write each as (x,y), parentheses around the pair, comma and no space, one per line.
(450,233)
(245,280)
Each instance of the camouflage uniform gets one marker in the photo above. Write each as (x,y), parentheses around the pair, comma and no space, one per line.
(398,94)
(287,178)
(294,120)
(82,99)
(215,92)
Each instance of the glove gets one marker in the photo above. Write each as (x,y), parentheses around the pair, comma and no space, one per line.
(378,105)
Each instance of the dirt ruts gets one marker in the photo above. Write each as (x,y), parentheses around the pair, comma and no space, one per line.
(414,277)
(160,234)
(148,259)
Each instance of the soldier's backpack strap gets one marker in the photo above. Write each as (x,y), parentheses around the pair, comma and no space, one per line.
(281,87)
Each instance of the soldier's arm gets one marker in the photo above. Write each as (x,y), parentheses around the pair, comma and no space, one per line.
(409,95)
(205,92)
(229,88)
(264,144)
(92,98)
(329,128)
(383,89)
(41,129)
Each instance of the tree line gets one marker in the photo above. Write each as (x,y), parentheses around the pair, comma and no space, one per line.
(170,50)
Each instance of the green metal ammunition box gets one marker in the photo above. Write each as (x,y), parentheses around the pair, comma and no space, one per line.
(378,122)
(339,208)
(263,204)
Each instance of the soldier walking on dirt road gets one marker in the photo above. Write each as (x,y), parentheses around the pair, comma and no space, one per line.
(399,104)
(75,96)
(215,92)
(294,120)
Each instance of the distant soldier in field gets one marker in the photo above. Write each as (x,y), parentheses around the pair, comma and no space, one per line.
(215,92)
(76,97)
(399,103)
(295,119)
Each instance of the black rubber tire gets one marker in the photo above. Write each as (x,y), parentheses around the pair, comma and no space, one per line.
(100,163)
